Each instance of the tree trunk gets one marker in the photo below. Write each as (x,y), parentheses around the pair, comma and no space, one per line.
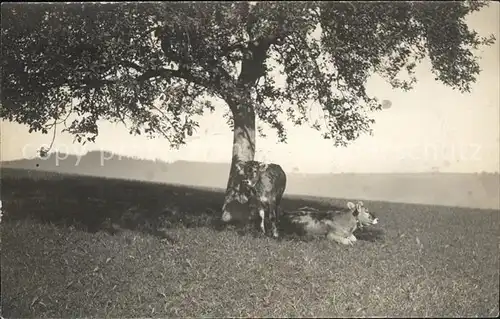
(243,150)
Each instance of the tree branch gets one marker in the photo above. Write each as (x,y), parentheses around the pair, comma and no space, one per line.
(167,118)
(149,74)
(252,67)
(44,151)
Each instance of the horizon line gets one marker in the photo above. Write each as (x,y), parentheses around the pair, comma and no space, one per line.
(54,169)
(114,156)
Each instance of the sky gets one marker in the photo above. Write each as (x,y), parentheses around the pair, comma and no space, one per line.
(431,128)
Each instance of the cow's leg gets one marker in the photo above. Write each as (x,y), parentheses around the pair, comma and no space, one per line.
(273,216)
(353,238)
(276,214)
(339,239)
(262,214)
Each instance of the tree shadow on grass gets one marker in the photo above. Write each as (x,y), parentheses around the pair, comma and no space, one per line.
(95,204)
(98,204)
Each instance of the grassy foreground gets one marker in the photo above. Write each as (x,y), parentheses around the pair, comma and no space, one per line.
(89,247)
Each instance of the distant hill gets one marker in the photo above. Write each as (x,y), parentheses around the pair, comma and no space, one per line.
(106,164)
(452,189)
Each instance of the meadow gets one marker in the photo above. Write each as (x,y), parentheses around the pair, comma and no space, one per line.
(77,246)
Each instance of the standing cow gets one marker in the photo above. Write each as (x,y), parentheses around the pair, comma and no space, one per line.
(265,184)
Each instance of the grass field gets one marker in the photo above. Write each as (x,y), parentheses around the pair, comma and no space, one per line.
(89,247)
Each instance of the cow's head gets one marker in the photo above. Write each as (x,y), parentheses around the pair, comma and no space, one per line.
(363,216)
(250,172)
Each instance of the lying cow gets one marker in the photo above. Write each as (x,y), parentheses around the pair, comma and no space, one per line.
(265,184)
(335,225)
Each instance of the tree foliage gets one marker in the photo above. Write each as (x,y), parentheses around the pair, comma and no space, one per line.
(153,65)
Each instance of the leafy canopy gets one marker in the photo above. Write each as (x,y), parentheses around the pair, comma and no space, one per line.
(153,65)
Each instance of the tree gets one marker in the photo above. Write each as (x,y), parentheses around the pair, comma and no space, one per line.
(152,66)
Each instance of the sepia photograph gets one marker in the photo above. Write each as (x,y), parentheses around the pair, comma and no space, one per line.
(250,159)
